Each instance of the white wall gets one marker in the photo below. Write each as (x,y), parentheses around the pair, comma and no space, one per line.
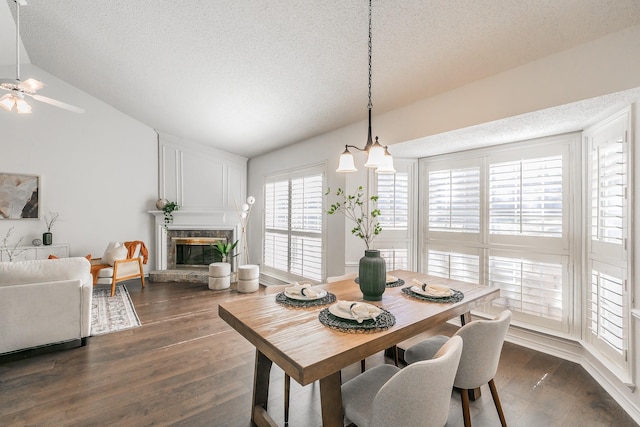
(99,169)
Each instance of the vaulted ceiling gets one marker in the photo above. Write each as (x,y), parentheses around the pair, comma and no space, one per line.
(249,76)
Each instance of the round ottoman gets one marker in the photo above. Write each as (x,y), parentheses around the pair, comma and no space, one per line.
(248,278)
(219,275)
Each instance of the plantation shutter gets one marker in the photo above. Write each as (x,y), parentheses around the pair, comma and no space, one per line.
(454,200)
(294,224)
(393,200)
(607,230)
(525,197)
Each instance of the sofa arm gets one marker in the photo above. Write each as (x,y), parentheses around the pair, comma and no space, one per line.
(37,314)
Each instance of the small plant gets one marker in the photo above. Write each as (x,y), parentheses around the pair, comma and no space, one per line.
(354,207)
(168,210)
(225,250)
(11,251)
(50,219)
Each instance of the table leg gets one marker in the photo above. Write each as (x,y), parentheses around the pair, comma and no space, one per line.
(331,401)
(259,415)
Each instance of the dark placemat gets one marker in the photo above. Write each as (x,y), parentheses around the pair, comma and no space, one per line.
(395,284)
(281,298)
(384,321)
(456,297)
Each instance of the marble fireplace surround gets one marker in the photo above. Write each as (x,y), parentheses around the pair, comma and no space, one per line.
(189,224)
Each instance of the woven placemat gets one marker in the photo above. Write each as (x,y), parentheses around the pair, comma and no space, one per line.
(281,298)
(383,321)
(456,297)
(395,284)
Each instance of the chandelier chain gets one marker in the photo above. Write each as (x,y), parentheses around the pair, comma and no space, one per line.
(370,105)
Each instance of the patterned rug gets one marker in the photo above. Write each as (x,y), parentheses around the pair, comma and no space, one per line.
(111,314)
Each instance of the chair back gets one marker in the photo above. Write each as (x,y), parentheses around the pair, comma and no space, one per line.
(343,277)
(483,340)
(420,394)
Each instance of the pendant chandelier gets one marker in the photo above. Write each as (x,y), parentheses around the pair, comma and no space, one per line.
(377,156)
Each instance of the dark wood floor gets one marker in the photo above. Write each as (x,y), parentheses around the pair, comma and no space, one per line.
(184,366)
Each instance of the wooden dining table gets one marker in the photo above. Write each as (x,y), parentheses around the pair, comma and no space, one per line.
(294,338)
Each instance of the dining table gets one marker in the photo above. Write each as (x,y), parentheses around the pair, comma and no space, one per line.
(308,350)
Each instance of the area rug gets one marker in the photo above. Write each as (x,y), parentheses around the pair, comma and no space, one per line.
(112,313)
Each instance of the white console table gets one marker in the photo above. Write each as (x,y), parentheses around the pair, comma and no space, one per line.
(23,253)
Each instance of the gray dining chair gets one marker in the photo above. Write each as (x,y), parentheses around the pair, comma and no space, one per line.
(418,395)
(483,340)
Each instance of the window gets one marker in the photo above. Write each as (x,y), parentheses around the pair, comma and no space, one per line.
(393,200)
(607,301)
(498,217)
(525,197)
(294,223)
(395,243)
(454,200)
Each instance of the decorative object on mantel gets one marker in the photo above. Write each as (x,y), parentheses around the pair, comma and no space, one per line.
(36,242)
(243,215)
(168,208)
(49,219)
(377,156)
(12,251)
(372,267)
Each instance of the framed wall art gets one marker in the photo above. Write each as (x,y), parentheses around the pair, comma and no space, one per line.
(19,196)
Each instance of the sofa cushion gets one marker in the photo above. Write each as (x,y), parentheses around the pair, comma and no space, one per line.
(114,251)
(34,271)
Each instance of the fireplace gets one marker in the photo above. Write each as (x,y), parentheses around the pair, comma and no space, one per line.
(191,249)
(196,251)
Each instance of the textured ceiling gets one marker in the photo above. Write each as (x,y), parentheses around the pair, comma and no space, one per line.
(249,76)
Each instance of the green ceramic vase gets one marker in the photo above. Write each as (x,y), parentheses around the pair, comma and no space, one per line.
(372,274)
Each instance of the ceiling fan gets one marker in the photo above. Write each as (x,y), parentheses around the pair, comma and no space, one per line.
(19,89)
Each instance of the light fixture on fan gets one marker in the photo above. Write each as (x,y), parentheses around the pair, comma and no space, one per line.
(378,156)
(18,89)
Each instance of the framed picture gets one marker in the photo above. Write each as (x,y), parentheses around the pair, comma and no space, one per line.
(19,196)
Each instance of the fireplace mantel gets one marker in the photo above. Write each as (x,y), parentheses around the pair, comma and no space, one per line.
(191,220)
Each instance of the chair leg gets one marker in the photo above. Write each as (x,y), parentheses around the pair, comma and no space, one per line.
(362,365)
(287,390)
(464,396)
(113,287)
(395,355)
(496,400)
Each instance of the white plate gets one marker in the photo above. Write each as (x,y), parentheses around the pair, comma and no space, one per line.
(338,312)
(322,294)
(391,279)
(418,290)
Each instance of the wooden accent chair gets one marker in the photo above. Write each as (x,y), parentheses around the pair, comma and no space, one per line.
(109,270)
(418,395)
(483,340)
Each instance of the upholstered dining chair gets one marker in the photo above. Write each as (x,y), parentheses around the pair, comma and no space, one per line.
(120,262)
(347,276)
(418,395)
(483,340)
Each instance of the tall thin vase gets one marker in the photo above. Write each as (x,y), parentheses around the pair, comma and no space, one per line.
(372,274)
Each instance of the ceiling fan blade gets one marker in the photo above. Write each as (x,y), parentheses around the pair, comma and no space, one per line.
(57,103)
(31,85)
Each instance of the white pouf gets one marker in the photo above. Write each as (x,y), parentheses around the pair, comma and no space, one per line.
(248,272)
(219,269)
(219,283)
(246,286)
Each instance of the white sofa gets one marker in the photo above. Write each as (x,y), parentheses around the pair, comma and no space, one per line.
(44,302)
